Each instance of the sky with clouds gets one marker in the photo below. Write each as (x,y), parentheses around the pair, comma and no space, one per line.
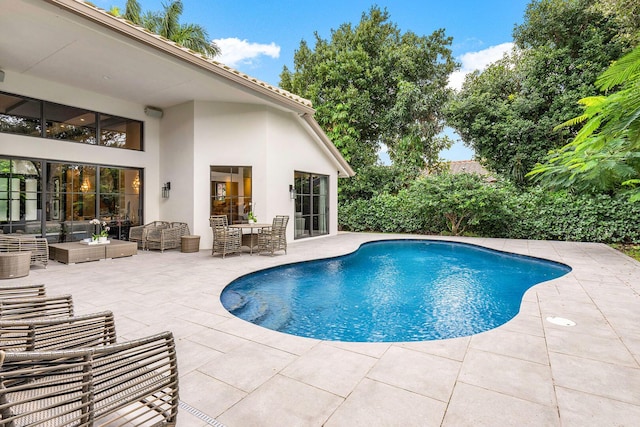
(259,38)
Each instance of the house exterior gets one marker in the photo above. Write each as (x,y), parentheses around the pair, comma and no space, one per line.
(100,118)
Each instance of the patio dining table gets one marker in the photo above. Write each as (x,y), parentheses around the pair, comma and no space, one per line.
(250,238)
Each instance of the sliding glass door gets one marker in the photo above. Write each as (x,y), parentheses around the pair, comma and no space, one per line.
(312,205)
(58,200)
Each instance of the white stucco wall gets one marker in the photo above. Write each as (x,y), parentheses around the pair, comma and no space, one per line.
(177,164)
(272,142)
(41,148)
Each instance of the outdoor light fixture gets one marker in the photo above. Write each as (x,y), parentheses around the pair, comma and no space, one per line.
(1,76)
(153,112)
(165,190)
(292,192)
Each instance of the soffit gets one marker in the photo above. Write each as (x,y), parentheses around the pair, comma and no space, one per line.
(45,41)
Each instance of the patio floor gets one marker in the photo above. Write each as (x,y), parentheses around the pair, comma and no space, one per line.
(526,372)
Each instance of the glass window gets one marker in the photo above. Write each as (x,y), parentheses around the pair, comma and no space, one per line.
(312,203)
(120,132)
(20,115)
(23,116)
(231,192)
(70,123)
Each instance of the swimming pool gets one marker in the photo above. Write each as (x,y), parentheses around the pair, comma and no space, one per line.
(391,291)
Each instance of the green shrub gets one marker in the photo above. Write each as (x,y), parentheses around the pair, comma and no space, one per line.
(435,205)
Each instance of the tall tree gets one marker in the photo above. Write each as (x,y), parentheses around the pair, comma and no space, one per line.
(508,112)
(371,84)
(605,154)
(167,24)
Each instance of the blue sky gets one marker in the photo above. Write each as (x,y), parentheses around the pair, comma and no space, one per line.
(260,37)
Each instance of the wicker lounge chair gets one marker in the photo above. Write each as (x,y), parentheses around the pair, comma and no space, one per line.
(166,238)
(38,246)
(22,291)
(225,240)
(63,333)
(131,383)
(274,238)
(139,233)
(32,308)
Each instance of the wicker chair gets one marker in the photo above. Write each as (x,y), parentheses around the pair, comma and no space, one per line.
(38,246)
(32,308)
(131,383)
(44,334)
(22,291)
(225,239)
(166,238)
(274,238)
(139,233)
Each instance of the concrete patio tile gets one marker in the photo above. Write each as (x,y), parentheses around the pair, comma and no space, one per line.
(579,409)
(192,355)
(285,342)
(529,308)
(241,328)
(477,407)
(282,401)
(514,344)
(597,378)
(515,377)
(329,368)
(610,350)
(421,373)
(525,324)
(452,348)
(200,317)
(376,404)
(207,394)
(589,320)
(248,366)
(217,340)
(373,349)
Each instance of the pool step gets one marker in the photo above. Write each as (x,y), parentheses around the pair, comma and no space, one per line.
(255,310)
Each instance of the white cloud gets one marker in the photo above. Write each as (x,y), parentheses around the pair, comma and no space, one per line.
(472,61)
(236,51)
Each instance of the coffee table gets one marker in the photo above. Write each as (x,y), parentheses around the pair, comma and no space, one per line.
(74,252)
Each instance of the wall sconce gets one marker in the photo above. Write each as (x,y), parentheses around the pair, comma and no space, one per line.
(1,76)
(165,190)
(292,192)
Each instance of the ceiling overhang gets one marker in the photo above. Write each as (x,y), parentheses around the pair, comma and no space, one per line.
(79,45)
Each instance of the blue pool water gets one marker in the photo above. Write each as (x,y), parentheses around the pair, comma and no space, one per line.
(398,290)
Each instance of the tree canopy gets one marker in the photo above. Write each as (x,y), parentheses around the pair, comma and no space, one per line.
(605,154)
(167,24)
(371,84)
(508,112)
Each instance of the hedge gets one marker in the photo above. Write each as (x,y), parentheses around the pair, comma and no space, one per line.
(495,210)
